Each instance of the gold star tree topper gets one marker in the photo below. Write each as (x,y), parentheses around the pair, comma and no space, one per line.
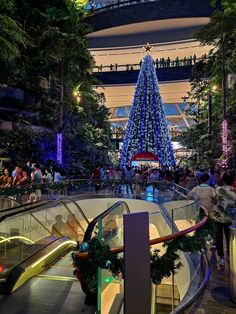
(147,48)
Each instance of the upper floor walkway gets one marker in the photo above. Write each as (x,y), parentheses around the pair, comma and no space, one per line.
(107,14)
(179,73)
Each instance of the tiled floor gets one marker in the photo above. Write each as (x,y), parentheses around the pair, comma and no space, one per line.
(215,299)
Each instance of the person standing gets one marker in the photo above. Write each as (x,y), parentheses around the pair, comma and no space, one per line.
(36,178)
(190,180)
(96,176)
(57,176)
(129,179)
(168,62)
(6,179)
(198,174)
(48,179)
(58,179)
(36,175)
(223,214)
(154,178)
(48,176)
(204,192)
(21,180)
(29,168)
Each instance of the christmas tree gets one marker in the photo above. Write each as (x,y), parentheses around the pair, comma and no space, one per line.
(147,129)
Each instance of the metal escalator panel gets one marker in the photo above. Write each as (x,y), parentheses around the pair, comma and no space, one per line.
(46,295)
(55,290)
(63,268)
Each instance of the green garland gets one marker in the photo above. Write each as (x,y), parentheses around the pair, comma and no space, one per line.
(99,255)
(160,266)
(45,187)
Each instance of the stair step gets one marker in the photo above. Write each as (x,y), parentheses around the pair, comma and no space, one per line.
(166,301)
(164,290)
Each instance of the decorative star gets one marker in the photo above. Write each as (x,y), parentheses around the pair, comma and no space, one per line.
(147,48)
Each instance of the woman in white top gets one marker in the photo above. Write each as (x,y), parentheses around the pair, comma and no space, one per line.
(48,176)
(204,193)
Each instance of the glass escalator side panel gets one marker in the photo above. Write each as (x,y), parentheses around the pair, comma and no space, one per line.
(110,230)
(24,234)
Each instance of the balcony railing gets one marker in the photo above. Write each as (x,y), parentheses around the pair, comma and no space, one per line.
(110,5)
(159,63)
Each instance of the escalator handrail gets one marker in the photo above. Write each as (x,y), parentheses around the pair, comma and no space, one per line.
(17,207)
(89,230)
(70,212)
(35,253)
(78,207)
(37,205)
(120,249)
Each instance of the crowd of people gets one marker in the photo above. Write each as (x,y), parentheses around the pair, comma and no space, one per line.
(215,192)
(159,63)
(31,173)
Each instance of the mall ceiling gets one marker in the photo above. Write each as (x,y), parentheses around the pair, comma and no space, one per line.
(160,31)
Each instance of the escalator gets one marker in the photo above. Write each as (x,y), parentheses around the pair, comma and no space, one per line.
(36,271)
(54,290)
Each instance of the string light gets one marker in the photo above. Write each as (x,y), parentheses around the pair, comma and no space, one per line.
(59,148)
(226,148)
(147,129)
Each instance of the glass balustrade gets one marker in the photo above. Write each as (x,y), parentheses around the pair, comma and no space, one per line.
(24,234)
(110,231)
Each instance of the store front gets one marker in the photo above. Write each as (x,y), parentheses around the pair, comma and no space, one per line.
(145,159)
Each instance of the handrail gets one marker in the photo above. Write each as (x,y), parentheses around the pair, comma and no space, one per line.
(24,210)
(35,253)
(15,207)
(120,249)
(37,204)
(92,224)
(70,212)
(66,182)
(78,207)
(180,308)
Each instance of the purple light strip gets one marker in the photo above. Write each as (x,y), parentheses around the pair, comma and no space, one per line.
(226,148)
(59,148)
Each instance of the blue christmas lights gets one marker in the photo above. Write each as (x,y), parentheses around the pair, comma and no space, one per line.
(147,129)
(59,148)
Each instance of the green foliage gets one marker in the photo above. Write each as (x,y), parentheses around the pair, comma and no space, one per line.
(44,187)
(220,33)
(54,64)
(160,266)
(12,36)
(26,144)
(99,254)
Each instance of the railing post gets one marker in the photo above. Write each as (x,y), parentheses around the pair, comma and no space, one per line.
(137,284)
(233,263)
(172,276)
(99,275)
